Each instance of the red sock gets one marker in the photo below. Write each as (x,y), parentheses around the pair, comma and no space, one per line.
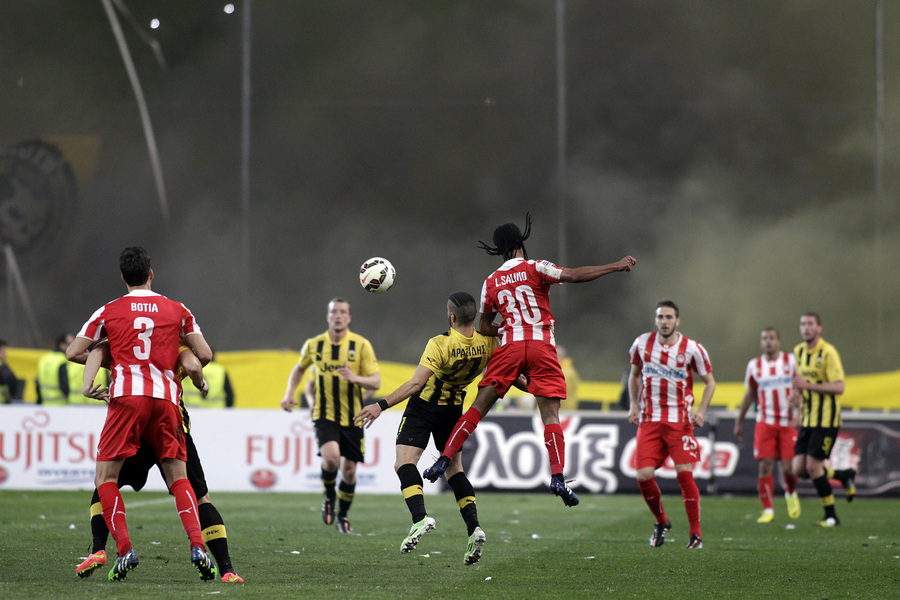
(790,484)
(766,486)
(114,515)
(556,447)
(464,428)
(691,496)
(186,503)
(653,498)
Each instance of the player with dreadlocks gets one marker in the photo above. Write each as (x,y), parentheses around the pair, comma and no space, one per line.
(520,291)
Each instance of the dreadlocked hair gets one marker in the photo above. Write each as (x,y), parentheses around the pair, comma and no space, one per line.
(508,238)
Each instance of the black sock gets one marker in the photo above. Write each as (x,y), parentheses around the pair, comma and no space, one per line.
(214,536)
(826,496)
(329,478)
(99,530)
(345,494)
(465,499)
(411,486)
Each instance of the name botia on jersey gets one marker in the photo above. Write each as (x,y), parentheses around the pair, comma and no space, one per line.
(144,307)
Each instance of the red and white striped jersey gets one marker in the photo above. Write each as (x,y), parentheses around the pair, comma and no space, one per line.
(144,331)
(667,392)
(771,380)
(520,291)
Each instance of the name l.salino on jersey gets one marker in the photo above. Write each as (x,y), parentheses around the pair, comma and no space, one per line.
(511,278)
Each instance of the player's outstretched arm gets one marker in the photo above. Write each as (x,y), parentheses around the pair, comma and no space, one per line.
(369,413)
(583,274)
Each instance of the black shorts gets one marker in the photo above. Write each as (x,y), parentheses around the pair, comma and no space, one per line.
(351,440)
(136,468)
(422,420)
(816,441)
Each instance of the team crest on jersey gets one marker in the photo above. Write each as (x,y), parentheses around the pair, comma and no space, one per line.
(819,362)
(786,368)
(351,355)
(679,360)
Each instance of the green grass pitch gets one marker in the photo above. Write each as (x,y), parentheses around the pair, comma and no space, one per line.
(536,548)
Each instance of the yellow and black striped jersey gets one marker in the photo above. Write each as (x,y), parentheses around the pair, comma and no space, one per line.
(338,400)
(822,364)
(456,361)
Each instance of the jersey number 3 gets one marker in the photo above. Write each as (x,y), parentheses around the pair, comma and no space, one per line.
(144,325)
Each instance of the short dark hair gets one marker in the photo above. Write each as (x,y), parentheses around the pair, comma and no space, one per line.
(62,339)
(775,331)
(668,303)
(508,238)
(134,263)
(463,307)
(814,316)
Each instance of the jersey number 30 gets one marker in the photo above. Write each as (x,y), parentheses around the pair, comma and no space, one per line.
(522,306)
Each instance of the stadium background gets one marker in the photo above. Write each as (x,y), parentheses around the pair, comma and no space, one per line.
(735,149)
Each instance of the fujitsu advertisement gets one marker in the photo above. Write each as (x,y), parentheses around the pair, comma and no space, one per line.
(49,448)
(240,450)
(53,448)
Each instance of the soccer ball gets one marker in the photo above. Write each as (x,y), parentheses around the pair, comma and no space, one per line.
(376,275)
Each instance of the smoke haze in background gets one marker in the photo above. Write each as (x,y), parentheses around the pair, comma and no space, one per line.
(728,146)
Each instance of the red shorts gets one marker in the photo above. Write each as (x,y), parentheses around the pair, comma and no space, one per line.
(657,440)
(536,359)
(131,418)
(773,441)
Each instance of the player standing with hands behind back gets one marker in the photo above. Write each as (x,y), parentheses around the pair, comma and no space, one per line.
(818,385)
(661,365)
(520,292)
(767,383)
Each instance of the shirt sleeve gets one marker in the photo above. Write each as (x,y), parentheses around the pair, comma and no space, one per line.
(634,354)
(701,360)
(749,380)
(834,370)
(94,328)
(188,324)
(368,364)
(306,358)
(485,307)
(433,358)
(548,271)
